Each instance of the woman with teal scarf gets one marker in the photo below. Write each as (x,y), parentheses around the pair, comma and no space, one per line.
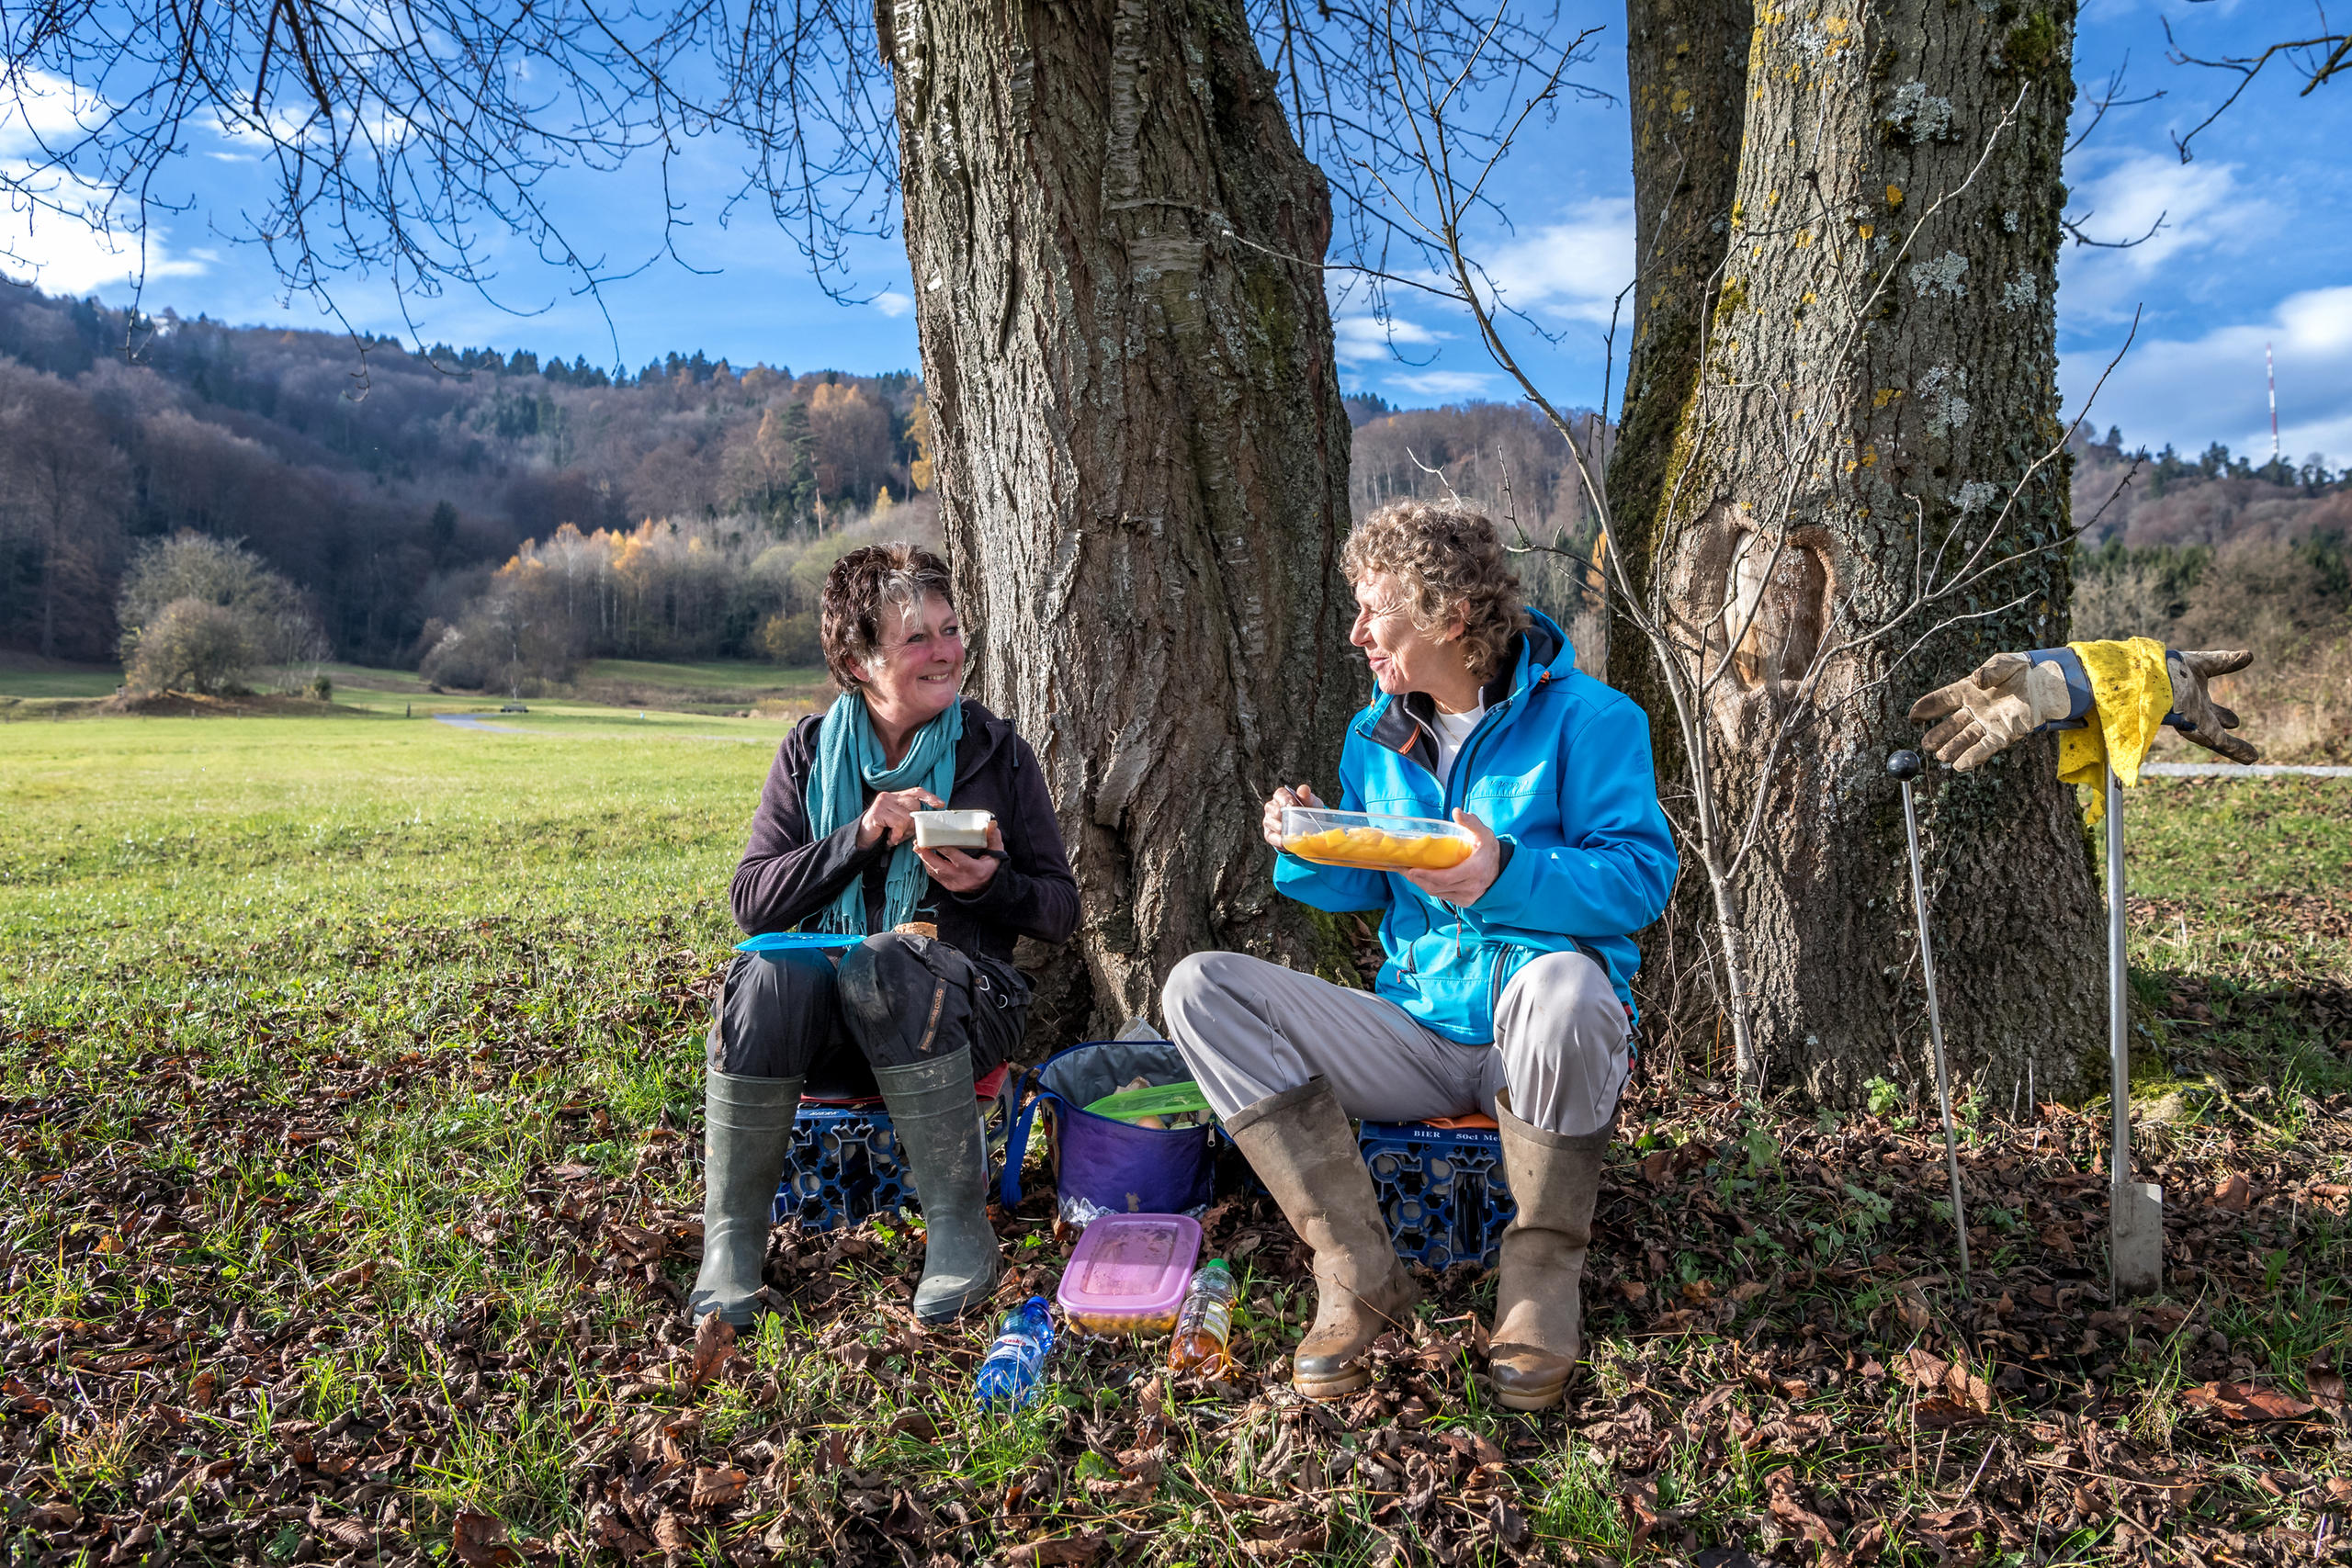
(927,1002)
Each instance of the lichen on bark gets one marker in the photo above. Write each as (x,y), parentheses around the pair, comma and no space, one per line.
(1872,375)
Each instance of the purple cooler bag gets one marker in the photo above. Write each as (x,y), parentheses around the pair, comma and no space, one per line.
(1102,1166)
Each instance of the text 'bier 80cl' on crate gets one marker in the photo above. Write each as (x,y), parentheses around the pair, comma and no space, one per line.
(1442,1188)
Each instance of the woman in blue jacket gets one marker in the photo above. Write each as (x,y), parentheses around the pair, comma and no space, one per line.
(1508,985)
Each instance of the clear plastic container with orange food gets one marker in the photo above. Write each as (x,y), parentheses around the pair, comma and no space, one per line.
(1373,840)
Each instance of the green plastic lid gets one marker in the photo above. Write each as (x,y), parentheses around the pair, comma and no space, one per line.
(1160,1099)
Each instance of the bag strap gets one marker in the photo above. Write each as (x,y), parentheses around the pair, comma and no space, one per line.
(1016,1143)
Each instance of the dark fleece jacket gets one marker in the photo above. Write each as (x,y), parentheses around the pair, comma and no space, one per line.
(785,878)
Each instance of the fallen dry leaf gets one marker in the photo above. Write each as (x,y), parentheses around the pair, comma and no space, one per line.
(479,1540)
(916,1425)
(344,1279)
(714,1348)
(2245,1402)
(670,1532)
(1912,1302)
(203,1389)
(716,1488)
(1640,1505)
(2234,1191)
(1068,1549)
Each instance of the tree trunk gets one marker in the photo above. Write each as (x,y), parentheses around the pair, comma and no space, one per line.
(1142,455)
(1686,66)
(1817,459)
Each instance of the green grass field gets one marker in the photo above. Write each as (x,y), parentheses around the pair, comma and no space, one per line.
(33,687)
(727,675)
(349,1082)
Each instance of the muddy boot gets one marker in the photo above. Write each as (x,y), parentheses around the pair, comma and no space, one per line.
(945,1148)
(747,1133)
(1300,1144)
(1538,1308)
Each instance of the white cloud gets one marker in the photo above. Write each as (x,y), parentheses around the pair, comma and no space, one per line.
(54,228)
(1572,270)
(1441,383)
(51,243)
(892,303)
(2192,392)
(44,110)
(1360,339)
(2201,206)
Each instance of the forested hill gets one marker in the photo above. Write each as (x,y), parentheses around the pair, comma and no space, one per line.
(385,484)
(396,491)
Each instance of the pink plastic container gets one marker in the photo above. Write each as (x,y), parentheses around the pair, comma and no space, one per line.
(1128,1272)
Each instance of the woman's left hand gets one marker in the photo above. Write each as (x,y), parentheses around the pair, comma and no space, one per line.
(961,873)
(1466,883)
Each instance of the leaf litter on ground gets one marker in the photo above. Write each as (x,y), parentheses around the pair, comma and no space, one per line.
(389,1268)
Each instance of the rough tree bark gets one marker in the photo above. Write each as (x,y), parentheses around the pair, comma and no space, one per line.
(1686,65)
(1857,119)
(1142,452)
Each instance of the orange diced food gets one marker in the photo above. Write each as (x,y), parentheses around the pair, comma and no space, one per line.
(1374,848)
(1443,852)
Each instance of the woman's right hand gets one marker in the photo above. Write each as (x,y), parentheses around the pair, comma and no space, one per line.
(1301,796)
(891,815)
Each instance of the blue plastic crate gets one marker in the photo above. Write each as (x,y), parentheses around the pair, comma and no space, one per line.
(1443,1188)
(844,1165)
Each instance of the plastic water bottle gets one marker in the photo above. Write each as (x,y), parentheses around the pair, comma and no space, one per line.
(1203,1322)
(1010,1372)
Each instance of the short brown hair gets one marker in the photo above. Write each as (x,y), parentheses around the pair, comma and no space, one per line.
(1447,557)
(861,586)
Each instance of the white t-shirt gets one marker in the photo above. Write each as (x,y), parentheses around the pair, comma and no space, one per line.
(1453,729)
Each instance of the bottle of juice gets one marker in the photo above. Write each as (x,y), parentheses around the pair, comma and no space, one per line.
(1203,1322)
(1009,1370)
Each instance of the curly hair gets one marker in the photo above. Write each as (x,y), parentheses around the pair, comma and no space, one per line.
(1447,557)
(850,616)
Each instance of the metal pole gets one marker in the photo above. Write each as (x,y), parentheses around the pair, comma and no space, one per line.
(2119,1005)
(1905,766)
(2135,1209)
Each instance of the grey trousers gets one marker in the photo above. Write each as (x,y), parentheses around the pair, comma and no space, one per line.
(1249,1028)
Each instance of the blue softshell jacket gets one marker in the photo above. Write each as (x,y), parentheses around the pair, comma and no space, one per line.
(1559,768)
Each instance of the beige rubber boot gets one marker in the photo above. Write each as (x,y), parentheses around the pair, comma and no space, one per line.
(1300,1144)
(1539,1307)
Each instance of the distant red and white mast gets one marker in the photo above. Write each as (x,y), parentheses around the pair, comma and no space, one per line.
(2270,374)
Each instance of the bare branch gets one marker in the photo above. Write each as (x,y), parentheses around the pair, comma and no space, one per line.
(2319,58)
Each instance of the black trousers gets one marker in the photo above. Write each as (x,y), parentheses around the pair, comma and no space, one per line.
(893,1000)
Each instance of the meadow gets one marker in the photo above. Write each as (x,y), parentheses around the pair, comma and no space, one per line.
(350,1086)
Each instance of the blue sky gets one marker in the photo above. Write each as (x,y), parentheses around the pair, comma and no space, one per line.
(2256,248)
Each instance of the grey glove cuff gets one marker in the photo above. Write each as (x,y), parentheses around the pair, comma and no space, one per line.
(2078,686)
(2177,669)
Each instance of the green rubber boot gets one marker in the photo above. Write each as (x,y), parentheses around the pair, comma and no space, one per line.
(747,1133)
(945,1150)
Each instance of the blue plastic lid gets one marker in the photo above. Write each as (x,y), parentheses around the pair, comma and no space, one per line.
(786,941)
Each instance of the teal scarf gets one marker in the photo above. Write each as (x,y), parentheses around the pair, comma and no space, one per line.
(849,762)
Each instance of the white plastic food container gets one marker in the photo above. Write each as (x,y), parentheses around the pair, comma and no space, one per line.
(1373,840)
(951,830)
